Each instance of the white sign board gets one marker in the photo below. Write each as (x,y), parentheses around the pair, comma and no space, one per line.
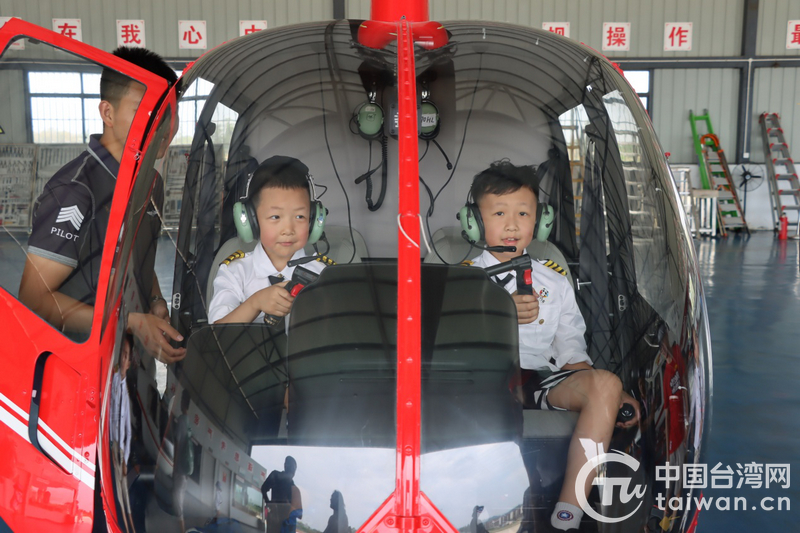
(192,34)
(677,36)
(559,28)
(793,35)
(246,27)
(68,28)
(130,33)
(19,45)
(616,36)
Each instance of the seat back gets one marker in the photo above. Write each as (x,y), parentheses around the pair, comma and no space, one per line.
(338,237)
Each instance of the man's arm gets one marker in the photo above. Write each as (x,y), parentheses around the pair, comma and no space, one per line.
(41,279)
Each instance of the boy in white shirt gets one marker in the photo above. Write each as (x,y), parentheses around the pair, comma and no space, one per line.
(251,286)
(551,328)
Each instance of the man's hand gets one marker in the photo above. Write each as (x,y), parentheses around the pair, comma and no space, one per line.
(527,307)
(155,333)
(159,308)
(627,398)
(274,300)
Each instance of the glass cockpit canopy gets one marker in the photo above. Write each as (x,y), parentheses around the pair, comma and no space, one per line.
(498,91)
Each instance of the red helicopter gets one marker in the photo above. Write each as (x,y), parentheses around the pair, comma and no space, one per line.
(391,384)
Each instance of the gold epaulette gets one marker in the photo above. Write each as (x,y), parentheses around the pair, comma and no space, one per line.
(467,263)
(553,265)
(238,254)
(325,259)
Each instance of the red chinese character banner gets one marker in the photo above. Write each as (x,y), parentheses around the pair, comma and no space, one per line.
(616,36)
(677,36)
(559,28)
(192,35)
(793,35)
(68,28)
(246,27)
(131,33)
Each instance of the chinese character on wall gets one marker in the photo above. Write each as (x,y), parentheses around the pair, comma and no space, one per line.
(793,35)
(18,45)
(130,33)
(192,34)
(617,36)
(68,28)
(677,36)
(246,27)
(559,28)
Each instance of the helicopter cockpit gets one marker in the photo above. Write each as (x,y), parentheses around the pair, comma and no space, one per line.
(320,386)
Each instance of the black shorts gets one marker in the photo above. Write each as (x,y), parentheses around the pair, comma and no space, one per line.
(537,385)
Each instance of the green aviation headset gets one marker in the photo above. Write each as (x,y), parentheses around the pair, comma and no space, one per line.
(472,223)
(245,218)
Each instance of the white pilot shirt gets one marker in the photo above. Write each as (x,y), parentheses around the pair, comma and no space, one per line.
(241,278)
(555,338)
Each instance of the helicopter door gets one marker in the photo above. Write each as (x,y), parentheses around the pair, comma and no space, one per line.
(57,350)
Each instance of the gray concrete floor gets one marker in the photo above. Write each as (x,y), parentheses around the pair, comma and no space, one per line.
(752,288)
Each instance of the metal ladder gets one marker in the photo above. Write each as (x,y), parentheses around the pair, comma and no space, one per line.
(783,179)
(715,174)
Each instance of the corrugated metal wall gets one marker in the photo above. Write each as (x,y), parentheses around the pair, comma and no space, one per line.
(676,91)
(12,98)
(776,91)
(773,17)
(716,24)
(98,18)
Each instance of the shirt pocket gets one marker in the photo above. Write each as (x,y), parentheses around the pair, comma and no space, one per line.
(546,324)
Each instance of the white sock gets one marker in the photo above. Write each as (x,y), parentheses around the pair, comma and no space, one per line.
(566,516)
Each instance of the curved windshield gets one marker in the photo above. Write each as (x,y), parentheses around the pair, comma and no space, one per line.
(283,412)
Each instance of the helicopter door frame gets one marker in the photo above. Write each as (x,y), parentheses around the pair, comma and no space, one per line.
(51,398)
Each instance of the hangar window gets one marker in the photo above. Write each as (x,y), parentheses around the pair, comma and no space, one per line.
(640,81)
(64,106)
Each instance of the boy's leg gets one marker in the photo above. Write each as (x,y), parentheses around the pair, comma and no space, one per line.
(596,394)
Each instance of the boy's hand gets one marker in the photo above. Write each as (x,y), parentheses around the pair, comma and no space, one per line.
(527,307)
(627,398)
(275,300)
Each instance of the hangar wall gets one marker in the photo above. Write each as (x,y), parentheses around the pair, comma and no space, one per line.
(772,25)
(161,18)
(676,91)
(647,18)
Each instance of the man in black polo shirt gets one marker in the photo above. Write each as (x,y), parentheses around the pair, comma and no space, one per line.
(70,219)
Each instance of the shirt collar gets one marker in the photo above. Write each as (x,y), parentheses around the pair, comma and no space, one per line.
(103,156)
(263,266)
(488,260)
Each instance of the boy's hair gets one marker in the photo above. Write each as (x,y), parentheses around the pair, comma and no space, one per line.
(279,172)
(114,85)
(502,177)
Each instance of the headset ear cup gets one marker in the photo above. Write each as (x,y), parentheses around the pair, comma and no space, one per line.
(316,222)
(370,120)
(471,222)
(241,220)
(545,216)
(429,123)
